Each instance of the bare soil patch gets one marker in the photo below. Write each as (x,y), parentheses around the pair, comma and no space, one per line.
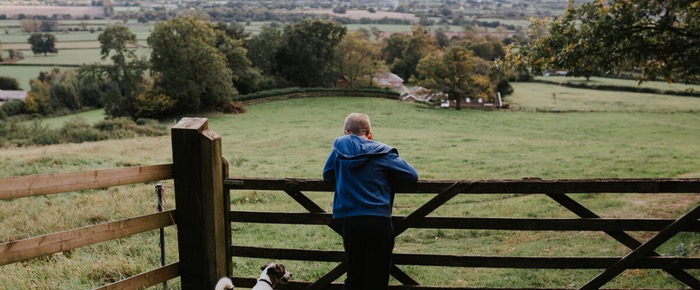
(14,10)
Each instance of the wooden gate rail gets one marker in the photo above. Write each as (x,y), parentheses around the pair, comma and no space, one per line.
(471,261)
(516,186)
(642,258)
(545,224)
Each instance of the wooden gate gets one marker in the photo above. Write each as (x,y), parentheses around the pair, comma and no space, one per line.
(641,255)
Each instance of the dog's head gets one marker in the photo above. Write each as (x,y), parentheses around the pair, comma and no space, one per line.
(277,273)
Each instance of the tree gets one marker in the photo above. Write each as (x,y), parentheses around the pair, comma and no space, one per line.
(38,100)
(262,50)
(308,52)
(358,57)
(49,25)
(231,42)
(263,47)
(457,73)
(659,39)
(187,66)
(9,84)
(125,73)
(92,85)
(488,47)
(63,87)
(30,25)
(403,52)
(43,43)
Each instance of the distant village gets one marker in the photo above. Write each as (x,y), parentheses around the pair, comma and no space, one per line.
(481,8)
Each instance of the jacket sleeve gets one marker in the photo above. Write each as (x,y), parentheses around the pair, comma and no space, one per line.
(400,170)
(329,168)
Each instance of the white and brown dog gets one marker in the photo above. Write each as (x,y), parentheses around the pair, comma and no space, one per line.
(272,274)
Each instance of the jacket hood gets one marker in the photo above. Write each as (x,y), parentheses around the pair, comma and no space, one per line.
(353,147)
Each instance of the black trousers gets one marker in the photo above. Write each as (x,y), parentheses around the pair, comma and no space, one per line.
(369,242)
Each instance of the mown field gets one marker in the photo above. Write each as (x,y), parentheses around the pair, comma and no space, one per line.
(621,138)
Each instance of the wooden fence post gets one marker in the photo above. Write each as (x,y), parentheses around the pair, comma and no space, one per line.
(200,206)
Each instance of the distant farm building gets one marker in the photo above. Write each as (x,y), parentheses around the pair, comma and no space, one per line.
(390,80)
(6,96)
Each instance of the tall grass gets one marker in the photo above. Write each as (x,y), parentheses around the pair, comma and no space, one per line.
(292,138)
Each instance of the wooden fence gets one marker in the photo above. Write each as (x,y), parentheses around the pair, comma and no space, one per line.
(38,185)
(204,218)
(197,170)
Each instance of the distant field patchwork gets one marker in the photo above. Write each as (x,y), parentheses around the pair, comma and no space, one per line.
(14,10)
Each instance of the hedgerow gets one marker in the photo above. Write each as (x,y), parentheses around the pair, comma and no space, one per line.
(78,130)
(314,92)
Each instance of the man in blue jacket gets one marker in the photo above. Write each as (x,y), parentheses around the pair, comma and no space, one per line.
(365,173)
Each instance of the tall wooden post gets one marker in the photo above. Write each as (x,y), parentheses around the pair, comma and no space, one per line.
(200,206)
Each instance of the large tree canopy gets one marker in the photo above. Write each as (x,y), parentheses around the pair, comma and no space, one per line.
(231,42)
(307,54)
(655,38)
(457,72)
(358,58)
(187,66)
(43,43)
(126,72)
(403,51)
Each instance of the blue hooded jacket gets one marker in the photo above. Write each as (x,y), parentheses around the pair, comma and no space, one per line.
(364,172)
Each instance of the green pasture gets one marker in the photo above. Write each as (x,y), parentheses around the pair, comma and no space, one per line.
(24,73)
(91,116)
(39,63)
(73,56)
(658,85)
(554,98)
(64,56)
(22,37)
(291,138)
(516,22)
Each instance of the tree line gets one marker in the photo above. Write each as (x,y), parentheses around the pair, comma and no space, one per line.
(198,65)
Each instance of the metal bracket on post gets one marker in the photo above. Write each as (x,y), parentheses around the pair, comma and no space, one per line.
(159,194)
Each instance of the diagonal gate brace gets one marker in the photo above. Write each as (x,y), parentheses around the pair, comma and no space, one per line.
(642,251)
(338,271)
(622,237)
(437,201)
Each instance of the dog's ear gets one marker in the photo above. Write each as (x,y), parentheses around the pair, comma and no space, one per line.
(275,269)
(264,266)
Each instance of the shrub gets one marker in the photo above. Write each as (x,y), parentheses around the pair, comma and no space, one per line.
(38,134)
(153,104)
(38,100)
(126,128)
(48,138)
(233,108)
(3,132)
(14,107)
(78,130)
(8,83)
(319,92)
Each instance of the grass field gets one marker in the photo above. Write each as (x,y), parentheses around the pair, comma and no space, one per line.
(291,139)
(658,85)
(552,97)
(25,73)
